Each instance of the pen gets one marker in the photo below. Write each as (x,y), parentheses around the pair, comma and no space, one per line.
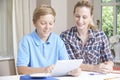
(96,74)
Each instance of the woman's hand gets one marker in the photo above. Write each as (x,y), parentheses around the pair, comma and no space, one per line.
(104,68)
(75,72)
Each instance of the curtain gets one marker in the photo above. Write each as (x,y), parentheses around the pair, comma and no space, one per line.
(5,28)
(22,21)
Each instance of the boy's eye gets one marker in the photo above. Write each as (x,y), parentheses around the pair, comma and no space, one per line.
(77,16)
(43,23)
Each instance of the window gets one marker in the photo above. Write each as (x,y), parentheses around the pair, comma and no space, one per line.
(110,10)
(6,45)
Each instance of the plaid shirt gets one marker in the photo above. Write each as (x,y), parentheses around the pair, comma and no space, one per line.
(94,51)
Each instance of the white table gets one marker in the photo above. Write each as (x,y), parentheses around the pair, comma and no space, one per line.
(84,76)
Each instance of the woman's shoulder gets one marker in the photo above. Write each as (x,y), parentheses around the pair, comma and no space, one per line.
(98,33)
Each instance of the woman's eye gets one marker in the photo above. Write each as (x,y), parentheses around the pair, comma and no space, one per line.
(84,17)
(50,23)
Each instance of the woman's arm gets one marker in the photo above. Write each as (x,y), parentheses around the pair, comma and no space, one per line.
(105,67)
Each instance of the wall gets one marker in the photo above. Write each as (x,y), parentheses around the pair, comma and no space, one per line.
(40,2)
(96,12)
(7,67)
(70,7)
(61,15)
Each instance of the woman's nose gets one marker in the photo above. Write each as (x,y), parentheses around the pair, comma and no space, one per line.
(80,19)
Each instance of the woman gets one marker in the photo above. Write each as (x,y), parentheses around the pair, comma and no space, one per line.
(84,41)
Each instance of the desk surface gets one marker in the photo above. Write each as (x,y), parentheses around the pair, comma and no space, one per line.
(84,76)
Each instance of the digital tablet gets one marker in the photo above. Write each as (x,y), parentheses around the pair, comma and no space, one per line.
(62,67)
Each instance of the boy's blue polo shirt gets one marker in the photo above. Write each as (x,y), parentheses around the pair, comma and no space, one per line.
(33,52)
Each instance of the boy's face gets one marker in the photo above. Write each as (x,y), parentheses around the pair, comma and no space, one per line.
(44,25)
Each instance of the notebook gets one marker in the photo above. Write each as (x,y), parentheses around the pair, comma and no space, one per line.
(28,77)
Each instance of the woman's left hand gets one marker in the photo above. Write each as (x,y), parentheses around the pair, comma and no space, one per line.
(75,72)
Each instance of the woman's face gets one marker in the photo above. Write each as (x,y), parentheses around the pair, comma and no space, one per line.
(44,25)
(82,17)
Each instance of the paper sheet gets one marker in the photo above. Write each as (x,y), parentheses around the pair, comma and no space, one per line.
(62,67)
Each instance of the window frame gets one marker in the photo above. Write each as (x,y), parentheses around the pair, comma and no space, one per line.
(98,13)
